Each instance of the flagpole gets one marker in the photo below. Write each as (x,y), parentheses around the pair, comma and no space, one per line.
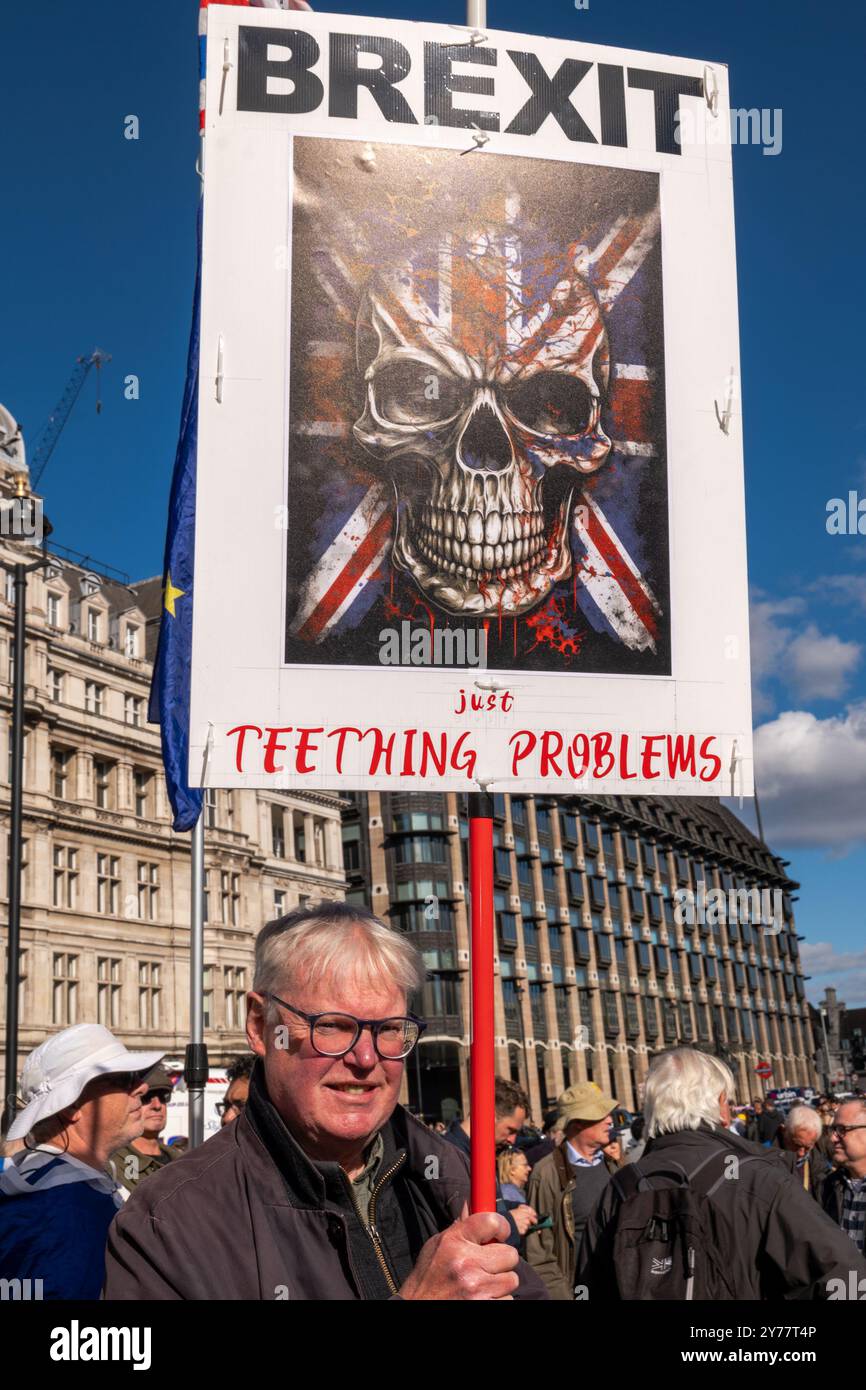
(196,1066)
(482,1066)
(482,1056)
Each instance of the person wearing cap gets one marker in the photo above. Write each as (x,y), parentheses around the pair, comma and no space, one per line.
(566,1185)
(81,1092)
(147,1154)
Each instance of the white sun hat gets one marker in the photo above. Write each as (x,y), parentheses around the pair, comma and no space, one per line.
(57,1071)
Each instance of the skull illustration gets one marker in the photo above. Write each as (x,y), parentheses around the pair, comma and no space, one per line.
(485,365)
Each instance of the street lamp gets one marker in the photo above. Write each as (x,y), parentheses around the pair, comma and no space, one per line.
(24,509)
(823,1013)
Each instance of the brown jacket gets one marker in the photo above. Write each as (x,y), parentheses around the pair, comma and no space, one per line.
(248,1216)
(130,1167)
(551,1252)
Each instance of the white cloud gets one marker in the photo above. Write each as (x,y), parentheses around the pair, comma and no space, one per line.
(845,971)
(820,665)
(768,639)
(841,588)
(815,665)
(811,776)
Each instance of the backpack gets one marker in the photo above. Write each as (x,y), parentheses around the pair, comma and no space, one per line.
(664,1242)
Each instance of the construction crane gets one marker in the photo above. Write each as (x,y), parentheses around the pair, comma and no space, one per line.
(53,427)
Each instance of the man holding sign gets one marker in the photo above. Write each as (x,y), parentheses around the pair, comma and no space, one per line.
(324,1188)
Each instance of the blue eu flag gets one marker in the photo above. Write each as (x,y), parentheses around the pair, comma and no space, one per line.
(169,692)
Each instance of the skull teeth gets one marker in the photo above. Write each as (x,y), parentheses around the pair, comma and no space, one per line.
(476,560)
(482,528)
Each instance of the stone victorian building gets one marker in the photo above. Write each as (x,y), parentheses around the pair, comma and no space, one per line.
(106,882)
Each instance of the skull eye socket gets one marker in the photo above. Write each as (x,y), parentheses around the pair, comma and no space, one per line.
(414,393)
(552,403)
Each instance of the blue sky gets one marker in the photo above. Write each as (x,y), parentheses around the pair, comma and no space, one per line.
(98,237)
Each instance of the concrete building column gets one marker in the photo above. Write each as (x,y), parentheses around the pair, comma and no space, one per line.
(503,1066)
(82,781)
(124,787)
(621,1074)
(333,845)
(641,1068)
(309,839)
(600,1064)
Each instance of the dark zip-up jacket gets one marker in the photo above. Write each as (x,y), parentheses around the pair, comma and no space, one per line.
(248,1216)
(774,1239)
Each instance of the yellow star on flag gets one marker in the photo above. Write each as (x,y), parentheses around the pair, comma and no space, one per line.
(171,594)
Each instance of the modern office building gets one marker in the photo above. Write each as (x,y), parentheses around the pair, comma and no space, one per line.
(603,956)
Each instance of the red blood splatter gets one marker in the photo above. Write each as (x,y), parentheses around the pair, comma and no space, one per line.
(552,629)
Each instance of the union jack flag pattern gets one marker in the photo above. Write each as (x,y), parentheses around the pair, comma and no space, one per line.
(476,407)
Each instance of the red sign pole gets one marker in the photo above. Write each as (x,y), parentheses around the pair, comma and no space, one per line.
(481,1056)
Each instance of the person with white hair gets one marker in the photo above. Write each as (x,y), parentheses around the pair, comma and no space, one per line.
(323,1187)
(80,1100)
(704,1214)
(798,1138)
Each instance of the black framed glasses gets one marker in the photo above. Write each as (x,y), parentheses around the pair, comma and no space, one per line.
(223,1106)
(333,1034)
(842,1130)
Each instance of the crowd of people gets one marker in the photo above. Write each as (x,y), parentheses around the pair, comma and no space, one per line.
(319,1185)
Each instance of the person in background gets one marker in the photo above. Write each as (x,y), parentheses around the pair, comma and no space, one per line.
(798,1138)
(768,1124)
(81,1093)
(566,1185)
(739,1121)
(752,1122)
(613,1151)
(512,1171)
(843,1195)
(552,1137)
(238,1075)
(512,1167)
(827,1112)
(511,1106)
(638,1144)
(147,1154)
